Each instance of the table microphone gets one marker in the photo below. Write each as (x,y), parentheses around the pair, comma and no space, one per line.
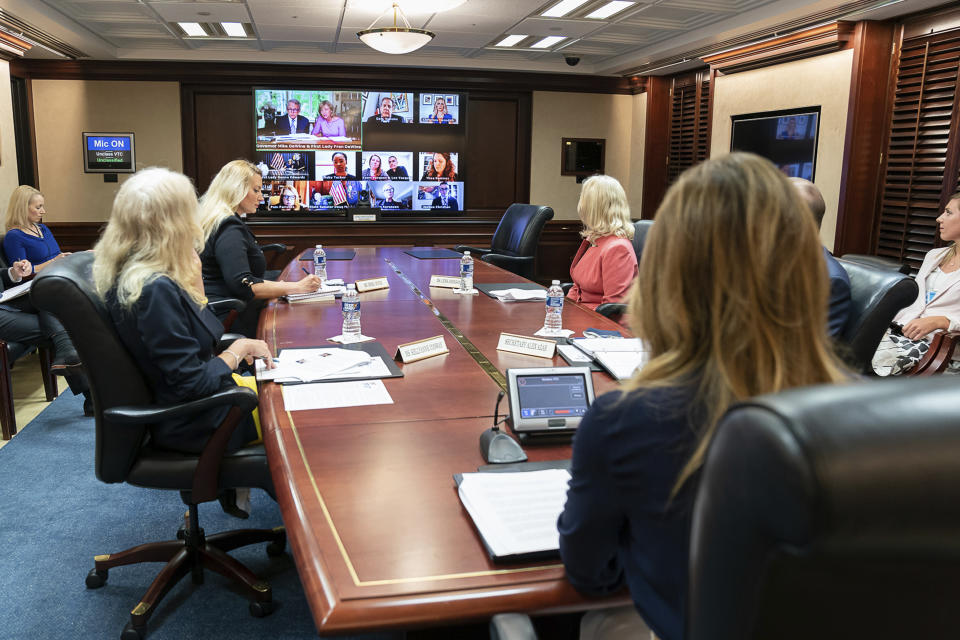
(496,447)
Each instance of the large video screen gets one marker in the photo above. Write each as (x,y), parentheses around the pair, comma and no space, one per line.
(335,153)
(786,138)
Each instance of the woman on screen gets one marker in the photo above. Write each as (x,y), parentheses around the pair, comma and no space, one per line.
(440,115)
(27,238)
(289,199)
(605,264)
(730,300)
(328,124)
(146,269)
(937,307)
(441,168)
(374,170)
(233,264)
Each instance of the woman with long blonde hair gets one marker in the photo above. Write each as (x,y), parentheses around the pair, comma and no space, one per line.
(147,270)
(731,301)
(605,264)
(233,264)
(26,237)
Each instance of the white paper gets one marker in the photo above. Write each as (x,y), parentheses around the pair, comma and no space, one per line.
(333,395)
(573,354)
(351,340)
(312,364)
(621,364)
(520,295)
(553,333)
(590,346)
(516,512)
(16,292)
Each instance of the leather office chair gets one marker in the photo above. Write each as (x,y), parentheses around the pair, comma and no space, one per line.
(514,244)
(124,407)
(876,295)
(10,352)
(878,261)
(830,512)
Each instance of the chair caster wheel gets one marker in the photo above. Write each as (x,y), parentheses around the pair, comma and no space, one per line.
(278,546)
(131,632)
(260,609)
(96,579)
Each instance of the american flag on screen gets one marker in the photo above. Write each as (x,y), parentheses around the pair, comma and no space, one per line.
(338,192)
(277,162)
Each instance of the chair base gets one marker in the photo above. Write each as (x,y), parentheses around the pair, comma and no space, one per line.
(191,554)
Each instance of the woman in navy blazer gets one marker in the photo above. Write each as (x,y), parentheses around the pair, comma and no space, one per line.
(730,301)
(148,272)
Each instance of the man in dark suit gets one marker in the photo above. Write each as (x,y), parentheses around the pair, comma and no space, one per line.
(839,310)
(293,122)
(388,202)
(385,113)
(443,201)
(395,171)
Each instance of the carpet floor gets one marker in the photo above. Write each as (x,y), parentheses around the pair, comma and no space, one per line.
(55,516)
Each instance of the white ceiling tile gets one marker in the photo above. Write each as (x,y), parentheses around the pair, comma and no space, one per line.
(296,33)
(190,11)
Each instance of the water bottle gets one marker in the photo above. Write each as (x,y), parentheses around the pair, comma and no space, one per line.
(320,263)
(350,305)
(466,272)
(554,318)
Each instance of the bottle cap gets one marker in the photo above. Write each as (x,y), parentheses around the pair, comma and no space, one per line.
(554,282)
(466,253)
(319,246)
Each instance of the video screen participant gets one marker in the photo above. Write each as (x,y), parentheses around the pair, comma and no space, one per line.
(339,160)
(440,115)
(293,122)
(385,112)
(374,170)
(388,201)
(328,124)
(444,200)
(396,171)
(441,168)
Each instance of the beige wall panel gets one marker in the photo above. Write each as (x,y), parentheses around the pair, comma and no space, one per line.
(824,81)
(558,115)
(8,148)
(63,109)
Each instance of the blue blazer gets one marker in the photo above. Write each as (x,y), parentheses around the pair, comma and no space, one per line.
(174,342)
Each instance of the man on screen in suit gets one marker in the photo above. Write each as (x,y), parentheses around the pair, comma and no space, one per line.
(839,308)
(293,122)
(388,202)
(395,171)
(385,113)
(443,201)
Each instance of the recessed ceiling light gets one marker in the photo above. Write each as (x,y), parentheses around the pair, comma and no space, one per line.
(547,42)
(234,29)
(609,9)
(192,29)
(562,8)
(510,40)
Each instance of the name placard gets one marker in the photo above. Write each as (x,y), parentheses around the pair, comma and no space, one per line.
(364,217)
(447,282)
(413,351)
(526,345)
(372,284)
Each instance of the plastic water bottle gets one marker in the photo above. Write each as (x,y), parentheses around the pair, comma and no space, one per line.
(350,305)
(466,272)
(320,263)
(554,318)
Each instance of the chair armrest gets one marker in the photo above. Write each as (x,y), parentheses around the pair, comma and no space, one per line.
(512,626)
(474,251)
(274,246)
(240,397)
(228,339)
(227,304)
(612,309)
(878,261)
(938,356)
(566,286)
(510,263)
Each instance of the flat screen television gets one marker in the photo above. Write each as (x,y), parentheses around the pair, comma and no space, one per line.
(786,138)
(333,153)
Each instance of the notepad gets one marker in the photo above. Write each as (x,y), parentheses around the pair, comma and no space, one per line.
(516,513)
(16,292)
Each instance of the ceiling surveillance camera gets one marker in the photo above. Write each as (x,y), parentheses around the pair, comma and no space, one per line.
(572,60)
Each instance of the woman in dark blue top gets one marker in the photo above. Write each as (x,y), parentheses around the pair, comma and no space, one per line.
(27,238)
(731,300)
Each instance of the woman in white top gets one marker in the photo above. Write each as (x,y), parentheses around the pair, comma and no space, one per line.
(937,307)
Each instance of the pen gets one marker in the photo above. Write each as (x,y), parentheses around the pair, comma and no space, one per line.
(305,271)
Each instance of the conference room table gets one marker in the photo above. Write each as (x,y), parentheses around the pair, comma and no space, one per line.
(378,533)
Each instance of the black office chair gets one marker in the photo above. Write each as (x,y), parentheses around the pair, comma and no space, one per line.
(876,295)
(10,352)
(878,261)
(830,512)
(124,408)
(514,244)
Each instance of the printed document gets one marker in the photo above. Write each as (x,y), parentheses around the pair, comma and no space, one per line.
(516,513)
(333,395)
(16,292)
(306,365)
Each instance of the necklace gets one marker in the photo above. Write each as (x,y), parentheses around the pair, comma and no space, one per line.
(34,230)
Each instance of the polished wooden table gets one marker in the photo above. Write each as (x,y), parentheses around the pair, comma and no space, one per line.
(375,525)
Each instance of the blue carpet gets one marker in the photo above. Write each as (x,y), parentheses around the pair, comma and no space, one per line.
(55,516)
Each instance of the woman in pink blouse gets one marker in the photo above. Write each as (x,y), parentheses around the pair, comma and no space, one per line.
(605,264)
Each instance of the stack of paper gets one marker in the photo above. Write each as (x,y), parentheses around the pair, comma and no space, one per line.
(519,295)
(516,513)
(307,365)
(619,356)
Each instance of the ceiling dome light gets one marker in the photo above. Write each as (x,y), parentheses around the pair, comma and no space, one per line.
(395,40)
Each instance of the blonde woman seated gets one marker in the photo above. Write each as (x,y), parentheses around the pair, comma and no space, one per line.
(233,264)
(937,307)
(146,269)
(605,264)
(731,300)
